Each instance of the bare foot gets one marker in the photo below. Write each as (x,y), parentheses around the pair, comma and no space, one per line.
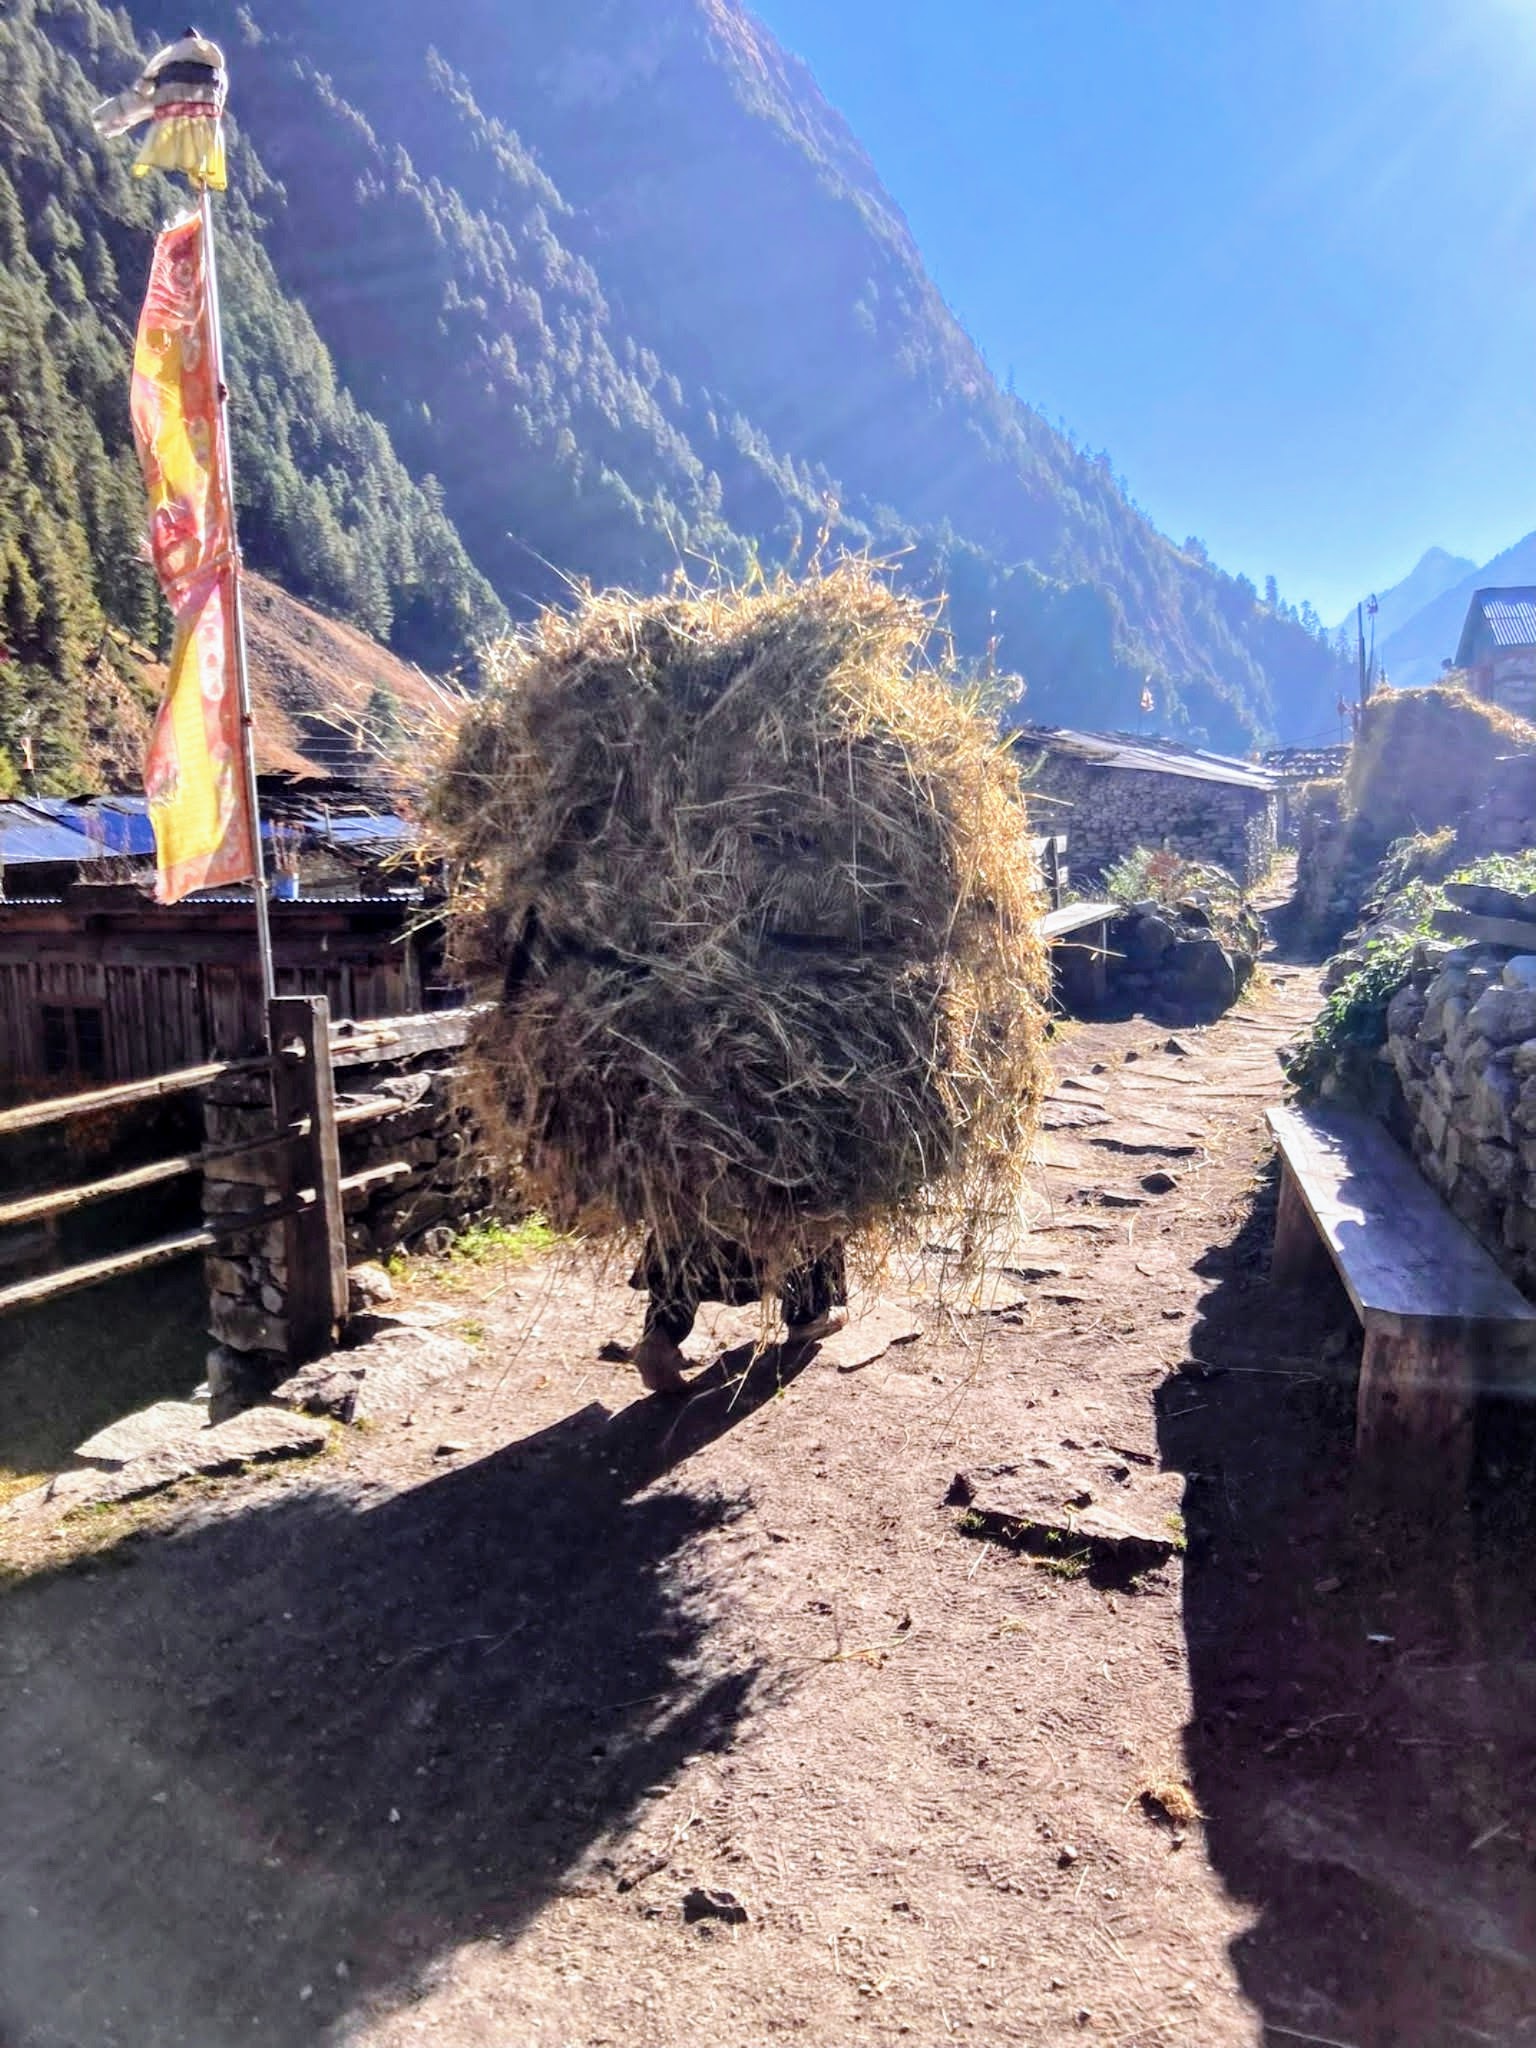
(826,1325)
(660,1364)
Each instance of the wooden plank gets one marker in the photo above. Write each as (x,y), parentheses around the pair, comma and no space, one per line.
(1403,1257)
(48,1286)
(32,1114)
(401,1038)
(1416,1407)
(59,1201)
(299,1029)
(1299,1253)
(371,1110)
(1514,932)
(373,1176)
(1073,916)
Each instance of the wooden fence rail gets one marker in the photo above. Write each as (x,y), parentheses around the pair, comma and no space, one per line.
(297,1157)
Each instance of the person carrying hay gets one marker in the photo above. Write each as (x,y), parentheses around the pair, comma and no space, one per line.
(752,893)
(813,1300)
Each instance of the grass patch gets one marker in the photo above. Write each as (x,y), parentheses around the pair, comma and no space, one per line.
(487,1243)
(1072,1565)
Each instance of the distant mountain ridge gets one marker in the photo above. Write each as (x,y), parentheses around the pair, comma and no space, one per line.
(1435,572)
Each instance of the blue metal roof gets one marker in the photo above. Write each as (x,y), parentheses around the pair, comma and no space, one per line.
(366,831)
(57,828)
(29,834)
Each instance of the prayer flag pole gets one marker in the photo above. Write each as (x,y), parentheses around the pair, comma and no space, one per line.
(200,770)
(237,611)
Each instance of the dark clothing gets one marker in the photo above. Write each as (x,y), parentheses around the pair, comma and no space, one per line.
(678,1281)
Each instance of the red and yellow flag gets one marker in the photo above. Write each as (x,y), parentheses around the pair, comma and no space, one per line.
(192,771)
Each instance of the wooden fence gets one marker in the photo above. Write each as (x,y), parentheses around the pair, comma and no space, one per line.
(297,1157)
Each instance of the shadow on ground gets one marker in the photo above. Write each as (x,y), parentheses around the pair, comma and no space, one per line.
(276,1765)
(78,1363)
(1363,1739)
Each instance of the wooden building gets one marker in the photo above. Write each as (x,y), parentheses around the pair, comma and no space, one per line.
(104,984)
(100,983)
(1497,648)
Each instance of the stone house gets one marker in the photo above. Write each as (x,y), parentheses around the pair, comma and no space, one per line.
(1111,793)
(1497,648)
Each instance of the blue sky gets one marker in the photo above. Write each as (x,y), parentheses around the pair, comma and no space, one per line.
(1277,256)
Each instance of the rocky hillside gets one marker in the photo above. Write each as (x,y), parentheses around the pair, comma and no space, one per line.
(519,294)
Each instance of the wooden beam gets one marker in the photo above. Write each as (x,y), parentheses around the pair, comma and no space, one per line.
(59,1201)
(373,1176)
(370,1111)
(400,1038)
(30,1115)
(48,1286)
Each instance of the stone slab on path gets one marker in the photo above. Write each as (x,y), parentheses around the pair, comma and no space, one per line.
(872,1330)
(165,1450)
(384,1376)
(1064,1501)
(156,1428)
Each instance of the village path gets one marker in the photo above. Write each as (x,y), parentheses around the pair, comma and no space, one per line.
(447,1735)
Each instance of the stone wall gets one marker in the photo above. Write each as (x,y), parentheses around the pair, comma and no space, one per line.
(1109,812)
(1462,1044)
(1170,961)
(1505,819)
(1336,861)
(429,1177)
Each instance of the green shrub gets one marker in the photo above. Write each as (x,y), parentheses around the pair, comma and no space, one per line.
(1351,1027)
(1422,857)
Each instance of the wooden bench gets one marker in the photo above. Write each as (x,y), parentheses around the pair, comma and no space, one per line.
(1089,953)
(1442,1323)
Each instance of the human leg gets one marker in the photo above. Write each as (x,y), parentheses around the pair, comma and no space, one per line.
(815,1296)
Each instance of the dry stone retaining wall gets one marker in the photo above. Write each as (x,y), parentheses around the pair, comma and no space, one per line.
(443,1182)
(1461,1039)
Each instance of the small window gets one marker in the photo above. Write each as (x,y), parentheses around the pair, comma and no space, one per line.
(74,1041)
(90,1044)
(57,1045)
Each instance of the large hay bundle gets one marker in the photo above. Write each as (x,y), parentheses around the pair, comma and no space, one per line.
(1423,758)
(754,891)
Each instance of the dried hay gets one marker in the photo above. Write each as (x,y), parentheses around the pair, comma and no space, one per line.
(1422,758)
(754,889)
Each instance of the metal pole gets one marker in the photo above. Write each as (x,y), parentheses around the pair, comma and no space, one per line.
(237,610)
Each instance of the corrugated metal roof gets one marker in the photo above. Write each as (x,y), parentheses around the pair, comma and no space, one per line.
(1511,618)
(283,905)
(59,828)
(1508,613)
(1146,756)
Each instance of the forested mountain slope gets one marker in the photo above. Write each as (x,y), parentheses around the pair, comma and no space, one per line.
(326,506)
(518,294)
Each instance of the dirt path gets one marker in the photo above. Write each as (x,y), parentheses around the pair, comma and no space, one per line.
(432,1740)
